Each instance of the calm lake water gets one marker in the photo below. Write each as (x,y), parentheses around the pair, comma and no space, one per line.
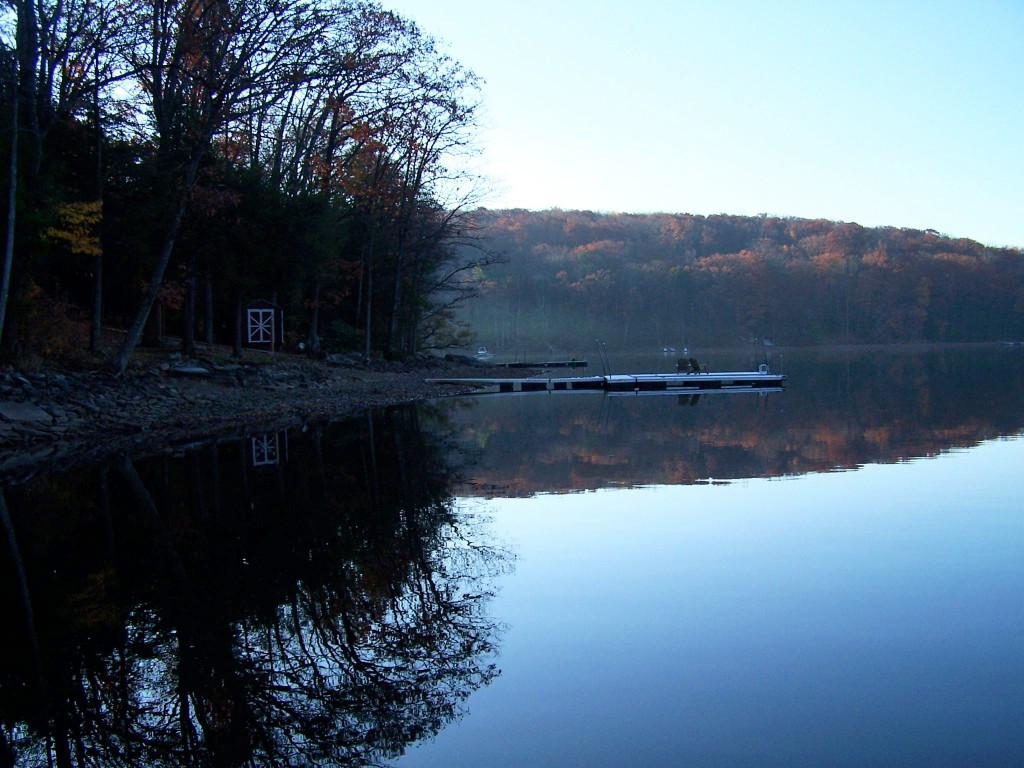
(833,575)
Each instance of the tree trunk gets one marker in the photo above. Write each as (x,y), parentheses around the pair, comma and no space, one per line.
(28,60)
(96,326)
(158,324)
(367,254)
(393,342)
(12,189)
(369,306)
(209,309)
(236,349)
(188,331)
(120,362)
(313,340)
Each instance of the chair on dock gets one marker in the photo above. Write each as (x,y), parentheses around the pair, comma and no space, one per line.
(689,365)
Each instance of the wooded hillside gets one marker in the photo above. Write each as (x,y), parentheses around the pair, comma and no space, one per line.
(678,279)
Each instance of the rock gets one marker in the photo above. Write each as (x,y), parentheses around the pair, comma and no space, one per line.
(24,412)
(189,370)
(144,410)
(348,358)
(228,368)
(24,429)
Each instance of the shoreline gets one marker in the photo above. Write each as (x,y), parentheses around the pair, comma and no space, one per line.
(54,421)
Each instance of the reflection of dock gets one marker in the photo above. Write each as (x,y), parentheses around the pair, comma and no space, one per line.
(668,383)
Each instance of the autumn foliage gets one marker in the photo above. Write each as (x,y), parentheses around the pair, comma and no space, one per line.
(166,163)
(672,279)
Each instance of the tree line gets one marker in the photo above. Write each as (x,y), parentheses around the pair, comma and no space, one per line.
(167,161)
(674,279)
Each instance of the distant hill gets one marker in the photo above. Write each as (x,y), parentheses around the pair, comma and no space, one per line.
(652,280)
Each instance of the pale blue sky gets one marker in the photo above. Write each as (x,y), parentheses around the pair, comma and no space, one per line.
(909,114)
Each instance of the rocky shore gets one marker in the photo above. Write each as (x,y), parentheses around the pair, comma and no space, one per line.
(55,420)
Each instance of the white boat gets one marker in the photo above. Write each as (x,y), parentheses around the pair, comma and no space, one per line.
(482,352)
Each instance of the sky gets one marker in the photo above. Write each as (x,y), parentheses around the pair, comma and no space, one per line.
(899,113)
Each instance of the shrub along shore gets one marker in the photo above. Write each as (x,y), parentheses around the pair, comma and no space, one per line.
(56,420)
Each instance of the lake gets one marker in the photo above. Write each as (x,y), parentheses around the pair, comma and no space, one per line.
(832,575)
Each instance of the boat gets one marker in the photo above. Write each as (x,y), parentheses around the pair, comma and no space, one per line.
(482,352)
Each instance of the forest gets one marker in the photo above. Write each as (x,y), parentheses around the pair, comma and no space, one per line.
(647,281)
(167,162)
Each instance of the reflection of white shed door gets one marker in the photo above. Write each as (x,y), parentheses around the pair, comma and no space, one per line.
(261,326)
(265,450)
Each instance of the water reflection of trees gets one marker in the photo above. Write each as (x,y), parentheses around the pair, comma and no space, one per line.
(840,410)
(193,610)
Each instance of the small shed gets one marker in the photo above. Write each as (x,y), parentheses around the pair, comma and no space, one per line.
(264,326)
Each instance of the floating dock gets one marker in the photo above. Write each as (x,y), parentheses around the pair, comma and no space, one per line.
(674,383)
(547,364)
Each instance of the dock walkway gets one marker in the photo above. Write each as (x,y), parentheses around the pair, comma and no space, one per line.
(641,382)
